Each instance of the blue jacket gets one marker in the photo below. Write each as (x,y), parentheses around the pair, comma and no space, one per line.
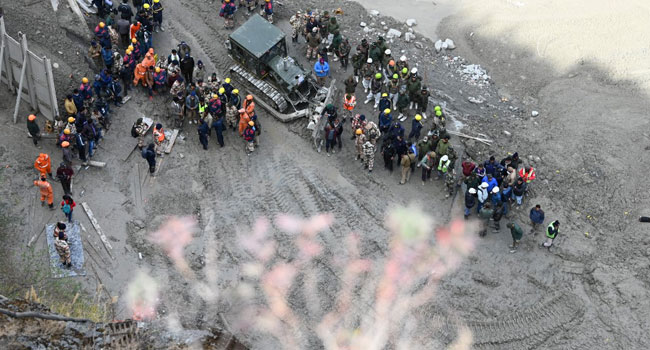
(397,130)
(385,120)
(496,199)
(107,55)
(537,216)
(491,184)
(322,70)
(490,168)
(384,103)
(416,126)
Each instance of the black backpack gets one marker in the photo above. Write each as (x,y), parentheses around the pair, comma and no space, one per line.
(134,132)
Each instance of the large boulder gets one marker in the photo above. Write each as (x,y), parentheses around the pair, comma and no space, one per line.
(393,33)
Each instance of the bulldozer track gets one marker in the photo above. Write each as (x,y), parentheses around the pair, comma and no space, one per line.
(271,93)
(530,328)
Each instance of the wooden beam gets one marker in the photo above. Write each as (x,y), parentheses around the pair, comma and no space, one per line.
(5,59)
(103,238)
(96,163)
(171,141)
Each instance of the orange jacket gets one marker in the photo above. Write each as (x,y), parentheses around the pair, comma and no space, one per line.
(249,107)
(44,187)
(244,118)
(349,104)
(159,134)
(43,164)
(134,28)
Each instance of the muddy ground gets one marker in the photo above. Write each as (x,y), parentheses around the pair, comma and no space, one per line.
(587,144)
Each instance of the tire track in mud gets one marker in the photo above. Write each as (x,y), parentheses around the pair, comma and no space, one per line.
(530,328)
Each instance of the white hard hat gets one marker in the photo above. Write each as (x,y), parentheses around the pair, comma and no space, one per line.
(472,191)
(495,189)
(315,29)
(484,185)
(369,60)
(403,58)
(414,71)
(387,52)
(444,158)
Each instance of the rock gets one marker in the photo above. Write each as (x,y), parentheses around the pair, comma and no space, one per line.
(507,133)
(385,27)
(55,65)
(438,45)
(410,30)
(408,37)
(374,13)
(363,24)
(393,33)
(444,45)
(411,22)
(476,100)
(383,23)
(450,44)
(537,159)
(181,155)
(535,113)
(419,45)
(367,29)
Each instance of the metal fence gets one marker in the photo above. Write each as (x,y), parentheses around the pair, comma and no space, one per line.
(27,75)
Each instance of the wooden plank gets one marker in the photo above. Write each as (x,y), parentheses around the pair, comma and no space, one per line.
(5,58)
(171,141)
(98,228)
(29,75)
(50,86)
(96,163)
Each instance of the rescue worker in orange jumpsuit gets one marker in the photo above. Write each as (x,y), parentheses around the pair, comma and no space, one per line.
(149,59)
(139,74)
(46,191)
(249,106)
(244,118)
(43,164)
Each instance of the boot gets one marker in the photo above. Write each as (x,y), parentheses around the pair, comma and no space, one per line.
(367,100)
(356,78)
(401,117)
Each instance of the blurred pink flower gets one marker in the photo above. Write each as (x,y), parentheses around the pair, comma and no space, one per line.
(173,236)
(142,296)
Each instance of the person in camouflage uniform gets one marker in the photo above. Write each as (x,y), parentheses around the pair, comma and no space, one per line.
(63,249)
(232,116)
(296,22)
(450,182)
(372,132)
(360,141)
(368,155)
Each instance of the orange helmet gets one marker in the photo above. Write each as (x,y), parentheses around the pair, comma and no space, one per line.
(31,118)
(251,123)
(391,63)
(249,97)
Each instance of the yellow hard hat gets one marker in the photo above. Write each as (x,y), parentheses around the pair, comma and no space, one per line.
(386,111)
(84,80)
(71,120)
(156,1)
(251,123)
(146,6)
(128,52)
(134,40)
(66,131)
(418,117)
(227,80)
(215,96)
(236,91)
(384,95)
(130,48)
(157,69)
(65,144)
(102,24)
(222,90)
(358,132)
